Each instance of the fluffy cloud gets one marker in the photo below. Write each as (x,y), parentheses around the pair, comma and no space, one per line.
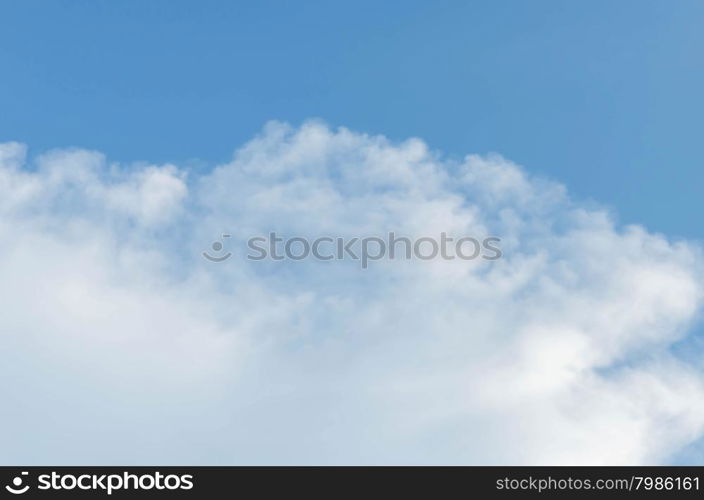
(120,344)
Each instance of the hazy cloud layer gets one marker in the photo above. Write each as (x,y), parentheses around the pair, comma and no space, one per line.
(120,344)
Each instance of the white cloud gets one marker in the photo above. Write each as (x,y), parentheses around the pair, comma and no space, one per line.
(119,344)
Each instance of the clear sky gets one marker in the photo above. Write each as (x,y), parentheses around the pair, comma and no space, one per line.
(603,96)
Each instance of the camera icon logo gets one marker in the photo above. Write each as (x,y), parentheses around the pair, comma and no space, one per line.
(16,488)
(217,247)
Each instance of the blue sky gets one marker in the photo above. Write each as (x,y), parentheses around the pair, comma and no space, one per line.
(135,134)
(602,96)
